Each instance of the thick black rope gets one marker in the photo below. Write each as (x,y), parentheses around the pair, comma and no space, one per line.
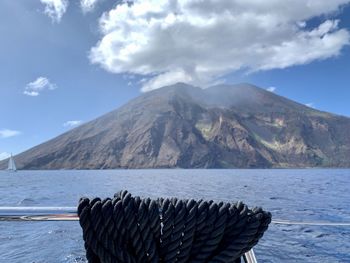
(129,229)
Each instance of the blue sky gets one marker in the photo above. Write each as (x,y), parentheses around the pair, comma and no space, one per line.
(67,62)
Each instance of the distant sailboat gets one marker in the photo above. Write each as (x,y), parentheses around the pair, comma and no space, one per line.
(12,165)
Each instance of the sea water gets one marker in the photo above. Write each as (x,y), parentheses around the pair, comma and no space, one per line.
(300,195)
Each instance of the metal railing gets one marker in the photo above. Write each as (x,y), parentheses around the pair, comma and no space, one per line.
(38,214)
(70,214)
(62,214)
(18,213)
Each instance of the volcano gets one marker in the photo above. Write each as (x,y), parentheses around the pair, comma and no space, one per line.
(182,126)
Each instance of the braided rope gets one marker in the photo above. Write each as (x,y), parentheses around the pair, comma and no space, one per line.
(129,229)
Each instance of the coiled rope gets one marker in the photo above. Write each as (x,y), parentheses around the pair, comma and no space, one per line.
(130,229)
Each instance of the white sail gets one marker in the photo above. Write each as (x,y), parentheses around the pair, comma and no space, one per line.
(12,164)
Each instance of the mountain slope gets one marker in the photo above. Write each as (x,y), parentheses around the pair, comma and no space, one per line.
(183,126)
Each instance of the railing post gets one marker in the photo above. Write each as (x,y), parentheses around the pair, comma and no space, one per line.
(249,257)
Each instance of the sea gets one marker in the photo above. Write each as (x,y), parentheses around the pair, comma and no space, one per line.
(297,195)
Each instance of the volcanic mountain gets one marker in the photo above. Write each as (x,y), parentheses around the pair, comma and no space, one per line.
(181,126)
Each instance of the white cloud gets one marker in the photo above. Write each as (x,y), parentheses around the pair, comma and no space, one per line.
(72,123)
(88,5)
(4,155)
(199,41)
(271,89)
(6,133)
(35,87)
(310,104)
(55,9)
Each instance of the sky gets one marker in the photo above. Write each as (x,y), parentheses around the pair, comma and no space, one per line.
(65,62)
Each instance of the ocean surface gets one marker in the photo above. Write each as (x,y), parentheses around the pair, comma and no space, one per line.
(301,195)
